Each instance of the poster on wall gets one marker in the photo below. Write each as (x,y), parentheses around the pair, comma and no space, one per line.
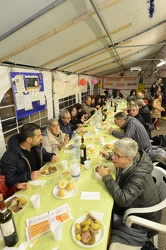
(120,82)
(28,93)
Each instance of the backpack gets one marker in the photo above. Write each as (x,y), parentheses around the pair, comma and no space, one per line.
(159,140)
(149,246)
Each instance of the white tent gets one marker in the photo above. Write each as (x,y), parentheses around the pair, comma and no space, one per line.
(93,37)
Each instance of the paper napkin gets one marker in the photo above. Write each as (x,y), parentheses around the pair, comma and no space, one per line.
(90,195)
(37,182)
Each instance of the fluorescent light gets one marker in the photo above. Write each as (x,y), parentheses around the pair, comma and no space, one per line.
(161,64)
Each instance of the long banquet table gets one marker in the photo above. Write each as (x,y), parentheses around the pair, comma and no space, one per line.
(78,207)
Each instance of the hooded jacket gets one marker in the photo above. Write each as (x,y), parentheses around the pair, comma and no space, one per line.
(15,166)
(135,187)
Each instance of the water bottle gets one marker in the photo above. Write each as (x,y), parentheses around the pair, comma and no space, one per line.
(98,119)
(74,137)
(74,166)
(77,149)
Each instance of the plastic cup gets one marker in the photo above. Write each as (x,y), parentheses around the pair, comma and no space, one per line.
(64,164)
(102,140)
(35,199)
(56,229)
(87,164)
(96,131)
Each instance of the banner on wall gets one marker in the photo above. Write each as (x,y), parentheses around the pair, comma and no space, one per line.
(28,93)
(120,82)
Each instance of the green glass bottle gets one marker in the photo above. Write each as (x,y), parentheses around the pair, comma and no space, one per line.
(7,224)
(82,151)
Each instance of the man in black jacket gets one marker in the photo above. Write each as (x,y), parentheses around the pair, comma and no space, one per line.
(25,156)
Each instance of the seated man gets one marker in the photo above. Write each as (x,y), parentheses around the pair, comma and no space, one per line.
(132,129)
(53,138)
(134,186)
(134,112)
(65,125)
(87,108)
(25,156)
(144,111)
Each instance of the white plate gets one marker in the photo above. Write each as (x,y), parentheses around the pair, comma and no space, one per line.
(18,196)
(92,150)
(45,167)
(97,176)
(109,145)
(98,237)
(68,193)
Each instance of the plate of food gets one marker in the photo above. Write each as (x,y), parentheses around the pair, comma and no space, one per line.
(90,150)
(69,146)
(17,203)
(106,166)
(48,170)
(64,189)
(87,231)
(108,147)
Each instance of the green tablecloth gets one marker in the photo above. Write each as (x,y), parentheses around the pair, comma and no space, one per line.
(78,207)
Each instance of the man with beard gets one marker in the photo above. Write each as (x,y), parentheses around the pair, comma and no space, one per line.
(25,156)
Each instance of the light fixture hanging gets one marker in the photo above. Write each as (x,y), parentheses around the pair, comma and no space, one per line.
(161,63)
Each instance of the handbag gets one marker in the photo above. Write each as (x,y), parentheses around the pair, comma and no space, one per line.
(149,246)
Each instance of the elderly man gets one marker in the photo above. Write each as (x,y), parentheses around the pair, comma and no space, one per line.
(144,111)
(134,186)
(25,156)
(53,138)
(135,130)
(134,112)
(65,125)
(132,129)
(86,106)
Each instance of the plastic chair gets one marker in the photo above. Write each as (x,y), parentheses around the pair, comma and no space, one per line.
(159,176)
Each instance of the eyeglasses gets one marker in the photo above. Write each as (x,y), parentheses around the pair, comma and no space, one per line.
(117,156)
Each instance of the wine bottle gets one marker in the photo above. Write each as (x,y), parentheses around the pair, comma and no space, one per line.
(82,151)
(115,107)
(7,224)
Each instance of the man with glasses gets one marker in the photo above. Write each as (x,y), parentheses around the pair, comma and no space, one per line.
(134,185)
(65,125)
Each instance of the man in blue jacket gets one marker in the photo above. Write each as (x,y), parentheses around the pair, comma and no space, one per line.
(25,156)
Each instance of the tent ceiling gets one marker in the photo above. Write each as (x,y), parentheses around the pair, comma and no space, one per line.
(96,37)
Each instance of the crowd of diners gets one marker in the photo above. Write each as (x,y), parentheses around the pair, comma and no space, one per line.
(132,155)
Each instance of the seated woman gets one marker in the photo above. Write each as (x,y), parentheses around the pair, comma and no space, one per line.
(53,138)
(73,113)
(78,107)
(97,103)
(132,96)
(117,94)
(82,117)
(103,99)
